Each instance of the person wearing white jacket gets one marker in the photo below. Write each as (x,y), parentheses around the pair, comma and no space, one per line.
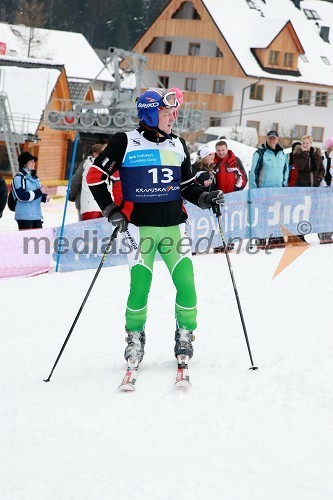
(88,206)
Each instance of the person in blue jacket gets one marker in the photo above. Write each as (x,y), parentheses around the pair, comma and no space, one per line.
(270,168)
(28,193)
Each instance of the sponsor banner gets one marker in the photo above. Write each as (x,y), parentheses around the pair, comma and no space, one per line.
(25,253)
(83,244)
(259,212)
(246,214)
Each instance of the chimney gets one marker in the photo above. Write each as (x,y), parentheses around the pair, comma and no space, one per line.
(297,3)
(325,33)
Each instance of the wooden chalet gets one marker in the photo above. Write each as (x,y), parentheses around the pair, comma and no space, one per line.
(239,62)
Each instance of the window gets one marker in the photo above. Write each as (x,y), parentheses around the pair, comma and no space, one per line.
(190,84)
(299,131)
(275,126)
(251,123)
(215,122)
(167,47)
(317,134)
(321,99)
(304,97)
(304,58)
(163,82)
(257,92)
(274,57)
(218,53)
(186,11)
(195,15)
(278,94)
(194,49)
(288,59)
(325,60)
(218,87)
(311,14)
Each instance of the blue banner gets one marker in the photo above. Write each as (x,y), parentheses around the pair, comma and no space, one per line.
(246,214)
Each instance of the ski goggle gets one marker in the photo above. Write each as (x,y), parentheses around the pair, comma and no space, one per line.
(170,100)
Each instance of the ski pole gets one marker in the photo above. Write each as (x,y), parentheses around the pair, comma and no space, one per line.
(217,211)
(107,249)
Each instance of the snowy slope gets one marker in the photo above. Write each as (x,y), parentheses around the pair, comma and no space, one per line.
(238,435)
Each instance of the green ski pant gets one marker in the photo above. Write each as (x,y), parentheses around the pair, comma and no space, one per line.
(145,241)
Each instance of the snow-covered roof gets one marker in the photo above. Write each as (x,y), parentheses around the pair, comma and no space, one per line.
(262,33)
(244,28)
(28,91)
(63,47)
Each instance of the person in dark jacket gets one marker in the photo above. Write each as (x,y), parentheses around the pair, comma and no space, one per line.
(28,193)
(155,174)
(308,163)
(3,195)
(292,168)
(309,166)
(327,238)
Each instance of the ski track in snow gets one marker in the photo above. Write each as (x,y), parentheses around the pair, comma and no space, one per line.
(236,435)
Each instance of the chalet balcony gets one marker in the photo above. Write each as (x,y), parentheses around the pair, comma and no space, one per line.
(209,102)
(189,64)
(183,27)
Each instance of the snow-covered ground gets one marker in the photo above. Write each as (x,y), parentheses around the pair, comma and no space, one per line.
(52,214)
(237,435)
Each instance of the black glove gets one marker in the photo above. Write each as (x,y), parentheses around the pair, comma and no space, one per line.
(115,217)
(211,200)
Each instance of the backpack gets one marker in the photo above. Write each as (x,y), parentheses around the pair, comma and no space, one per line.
(11,202)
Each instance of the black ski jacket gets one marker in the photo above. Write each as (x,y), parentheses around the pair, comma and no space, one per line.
(161,214)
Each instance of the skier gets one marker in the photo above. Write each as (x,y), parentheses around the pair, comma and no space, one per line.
(155,173)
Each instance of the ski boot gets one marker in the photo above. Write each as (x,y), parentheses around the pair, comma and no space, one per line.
(136,345)
(183,346)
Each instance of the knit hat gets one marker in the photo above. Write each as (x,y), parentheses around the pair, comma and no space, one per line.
(206,150)
(25,157)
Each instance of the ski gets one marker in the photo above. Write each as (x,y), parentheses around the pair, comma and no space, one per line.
(128,382)
(183,375)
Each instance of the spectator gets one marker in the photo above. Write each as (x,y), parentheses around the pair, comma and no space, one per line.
(269,169)
(205,174)
(327,183)
(230,172)
(28,193)
(88,206)
(76,183)
(292,169)
(308,163)
(230,176)
(293,240)
(3,195)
